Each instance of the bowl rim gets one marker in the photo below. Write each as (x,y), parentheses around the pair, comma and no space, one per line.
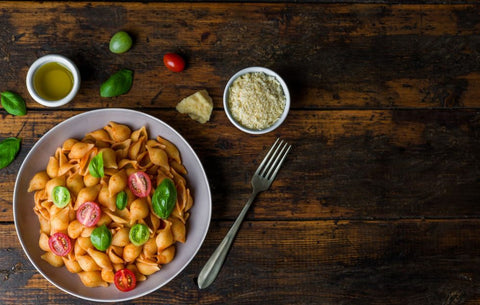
(269,72)
(201,240)
(69,64)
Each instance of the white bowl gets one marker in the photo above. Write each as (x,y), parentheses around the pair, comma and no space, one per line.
(28,227)
(227,107)
(48,59)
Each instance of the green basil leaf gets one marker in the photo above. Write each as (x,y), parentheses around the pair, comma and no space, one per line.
(121,201)
(118,84)
(13,103)
(95,167)
(101,238)
(164,199)
(9,148)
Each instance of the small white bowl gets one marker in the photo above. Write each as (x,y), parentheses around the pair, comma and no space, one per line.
(64,61)
(285,92)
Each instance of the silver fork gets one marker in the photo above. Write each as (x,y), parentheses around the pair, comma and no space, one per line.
(261,181)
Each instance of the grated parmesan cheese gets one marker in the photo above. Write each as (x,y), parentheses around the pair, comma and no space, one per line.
(256,100)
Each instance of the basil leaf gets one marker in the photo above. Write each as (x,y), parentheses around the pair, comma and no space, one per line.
(101,238)
(121,201)
(13,103)
(164,198)
(95,167)
(9,148)
(118,84)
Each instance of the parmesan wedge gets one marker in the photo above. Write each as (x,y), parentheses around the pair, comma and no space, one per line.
(198,106)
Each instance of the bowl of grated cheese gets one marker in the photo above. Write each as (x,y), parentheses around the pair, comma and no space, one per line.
(256,100)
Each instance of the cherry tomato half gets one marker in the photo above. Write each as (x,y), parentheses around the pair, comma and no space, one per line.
(174,62)
(139,234)
(89,214)
(140,184)
(125,280)
(60,244)
(61,196)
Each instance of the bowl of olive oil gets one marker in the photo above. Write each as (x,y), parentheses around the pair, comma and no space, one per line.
(53,80)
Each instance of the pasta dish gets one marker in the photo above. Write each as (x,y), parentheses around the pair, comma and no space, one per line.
(112,206)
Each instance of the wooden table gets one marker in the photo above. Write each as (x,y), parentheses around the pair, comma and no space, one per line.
(379,201)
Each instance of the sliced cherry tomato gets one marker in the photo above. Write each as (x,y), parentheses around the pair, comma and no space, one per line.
(140,184)
(61,196)
(60,244)
(139,234)
(89,214)
(125,280)
(174,62)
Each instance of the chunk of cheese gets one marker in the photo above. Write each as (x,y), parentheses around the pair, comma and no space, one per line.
(198,106)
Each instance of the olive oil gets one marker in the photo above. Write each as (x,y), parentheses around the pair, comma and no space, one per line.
(53,81)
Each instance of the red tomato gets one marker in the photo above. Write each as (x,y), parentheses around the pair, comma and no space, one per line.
(125,280)
(60,244)
(140,184)
(89,214)
(174,62)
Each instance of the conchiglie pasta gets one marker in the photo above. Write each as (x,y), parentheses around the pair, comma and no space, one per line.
(123,153)
(75,183)
(139,209)
(52,259)
(166,255)
(147,267)
(120,238)
(38,181)
(178,229)
(72,265)
(87,194)
(131,252)
(43,242)
(92,279)
(74,229)
(109,158)
(80,149)
(107,275)
(87,263)
(118,132)
(164,236)
(117,183)
(100,258)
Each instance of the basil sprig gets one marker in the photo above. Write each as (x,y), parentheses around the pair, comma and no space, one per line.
(164,198)
(9,148)
(13,103)
(95,167)
(118,84)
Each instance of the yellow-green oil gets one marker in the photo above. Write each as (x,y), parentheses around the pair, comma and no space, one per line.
(53,81)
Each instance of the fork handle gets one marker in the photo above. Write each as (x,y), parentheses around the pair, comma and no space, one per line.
(212,267)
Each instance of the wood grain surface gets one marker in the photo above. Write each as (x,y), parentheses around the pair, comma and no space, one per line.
(378,203)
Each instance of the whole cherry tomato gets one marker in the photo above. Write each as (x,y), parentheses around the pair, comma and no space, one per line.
(174,62)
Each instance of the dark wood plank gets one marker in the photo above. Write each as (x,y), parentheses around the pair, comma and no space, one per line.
(345,164)
(308,262)
(374,56)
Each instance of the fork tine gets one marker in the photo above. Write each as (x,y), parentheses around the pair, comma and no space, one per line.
(271,159)
(267,158)
(278,162)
